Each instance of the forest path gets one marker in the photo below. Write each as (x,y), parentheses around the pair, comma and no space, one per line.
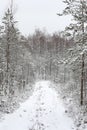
(42,111)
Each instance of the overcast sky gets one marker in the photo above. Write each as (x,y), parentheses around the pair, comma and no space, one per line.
(32,14)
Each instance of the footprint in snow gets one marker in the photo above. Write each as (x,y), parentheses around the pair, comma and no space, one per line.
(20,115)
(24,111)
(36,116)
(42,103)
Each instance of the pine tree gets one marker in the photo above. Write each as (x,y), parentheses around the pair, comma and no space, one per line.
(78,29)
(10,36)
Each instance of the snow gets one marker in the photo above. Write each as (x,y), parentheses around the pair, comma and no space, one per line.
(42,111)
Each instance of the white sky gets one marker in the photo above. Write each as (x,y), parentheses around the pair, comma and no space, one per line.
(32,14)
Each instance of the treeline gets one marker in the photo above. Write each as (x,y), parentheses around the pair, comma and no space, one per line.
(60,60)
(49,52)
(14,59)
(40,56)
(26,59)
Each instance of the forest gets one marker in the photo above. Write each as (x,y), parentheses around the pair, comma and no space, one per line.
(60,57)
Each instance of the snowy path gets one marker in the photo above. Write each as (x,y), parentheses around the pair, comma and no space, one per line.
(42,111)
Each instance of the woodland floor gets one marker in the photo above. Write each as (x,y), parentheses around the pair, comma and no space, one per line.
(44,110)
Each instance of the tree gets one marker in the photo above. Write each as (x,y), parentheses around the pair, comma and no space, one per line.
(10,40)
(78,29)
(10,33)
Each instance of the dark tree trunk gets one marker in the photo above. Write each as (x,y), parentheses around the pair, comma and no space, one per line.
(82,79)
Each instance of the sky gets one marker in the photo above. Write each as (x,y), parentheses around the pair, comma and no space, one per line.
(33,14)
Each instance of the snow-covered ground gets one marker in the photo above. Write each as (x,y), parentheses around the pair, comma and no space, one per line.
(42,111)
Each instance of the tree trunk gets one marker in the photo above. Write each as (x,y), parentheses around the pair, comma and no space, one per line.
(7,57)
(82,79)
(82,73)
